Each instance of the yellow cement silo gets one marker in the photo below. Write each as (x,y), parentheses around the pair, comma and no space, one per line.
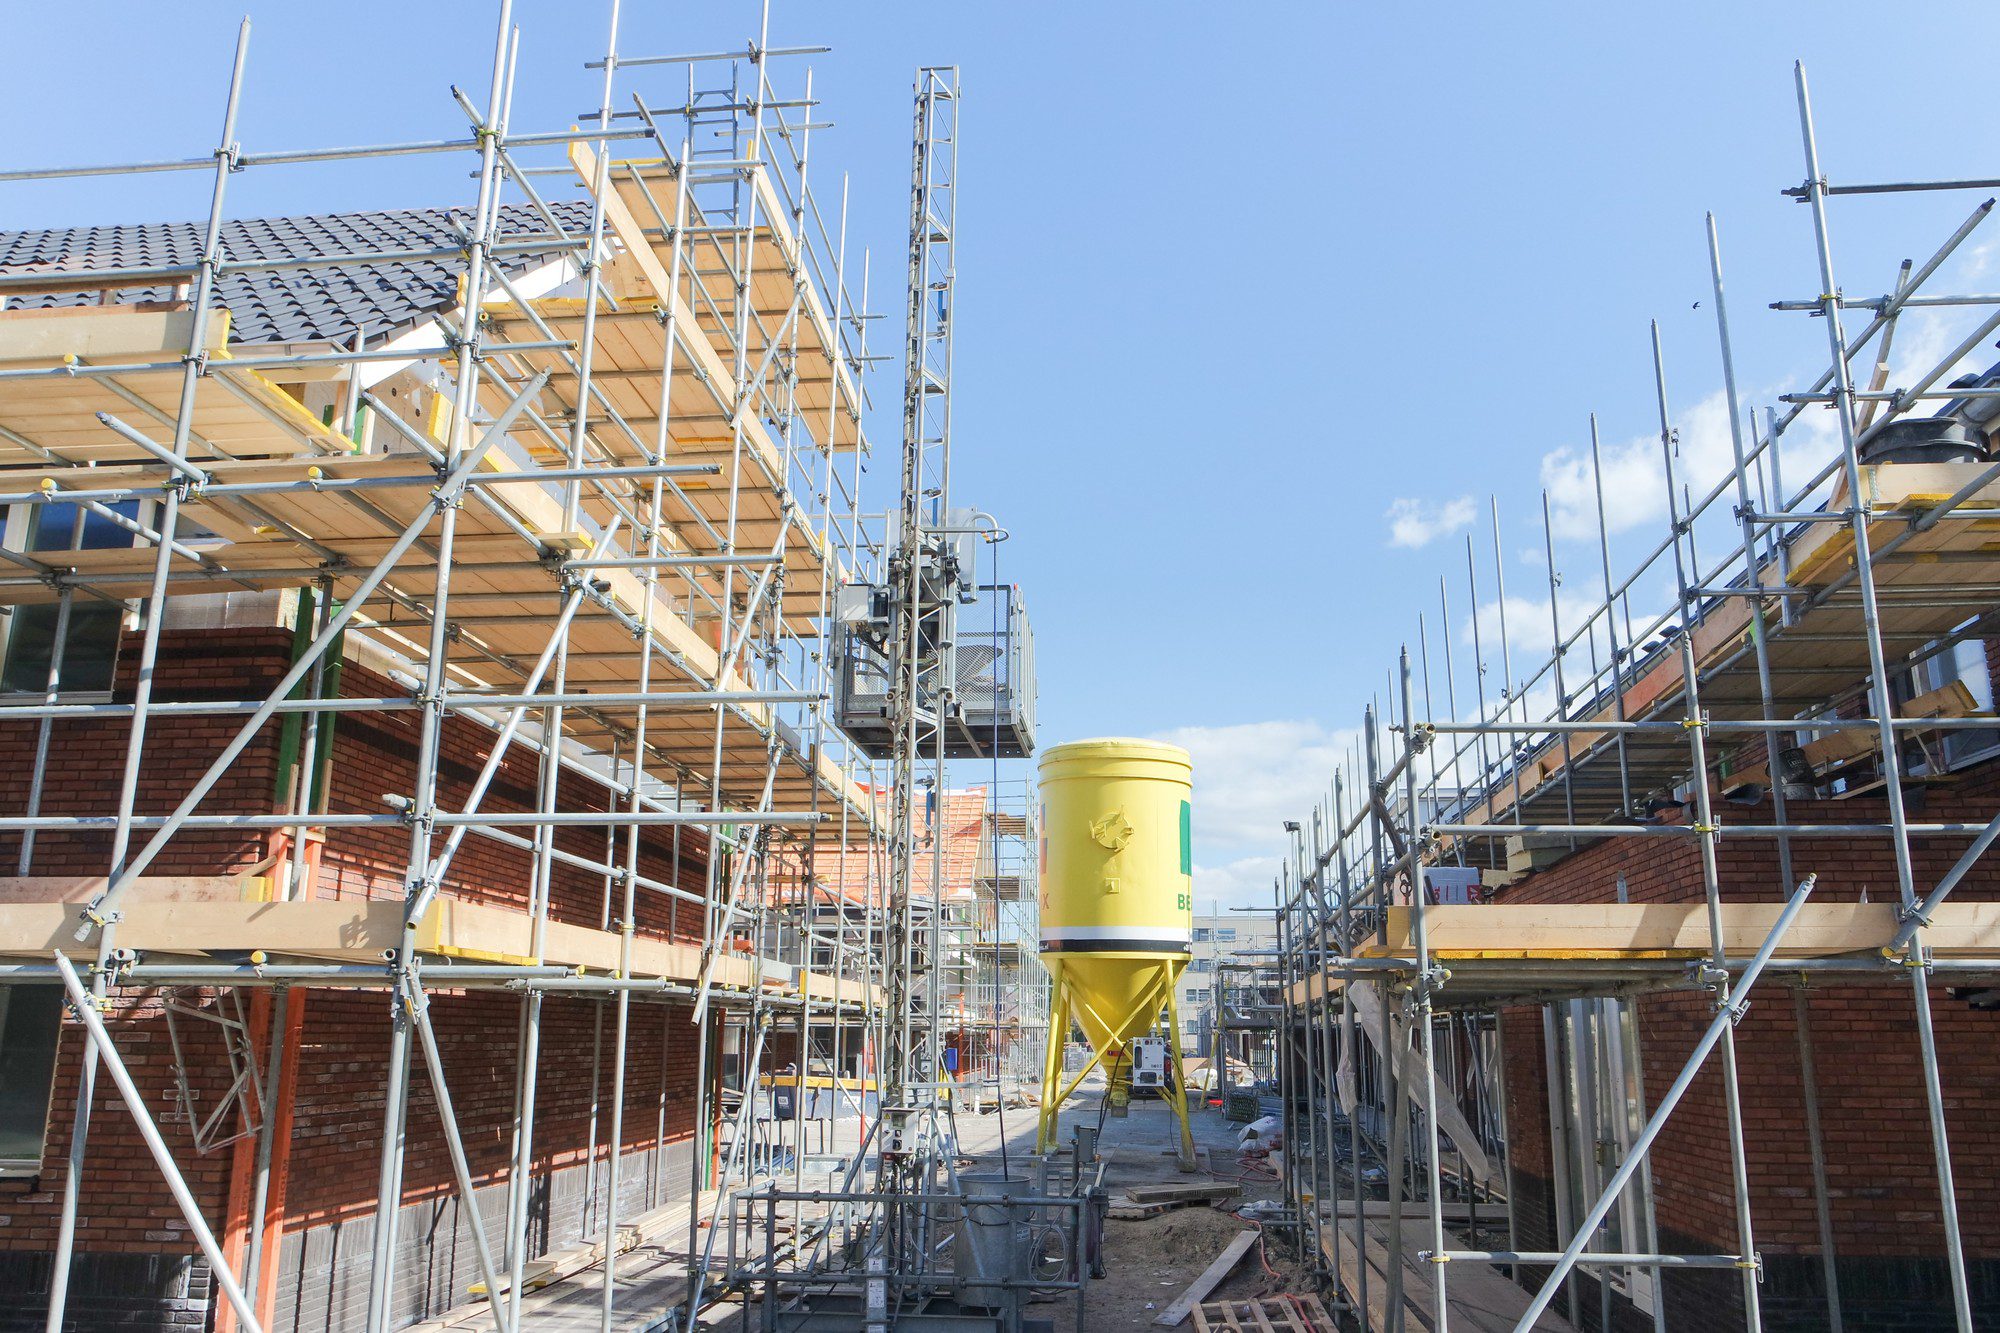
(1117,906)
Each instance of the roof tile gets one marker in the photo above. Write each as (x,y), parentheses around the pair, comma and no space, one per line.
(323,304)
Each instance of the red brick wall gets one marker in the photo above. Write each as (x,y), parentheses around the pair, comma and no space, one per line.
(341,1069)
(375,754)
(337,1132)
(86,759)
(125,1204)
(1882,1184)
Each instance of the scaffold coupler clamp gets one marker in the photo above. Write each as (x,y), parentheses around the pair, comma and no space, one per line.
(118,966)
(1914,956)
(1421,736)
(101,1003)
(95,917)
(1754,1263)
(410,990)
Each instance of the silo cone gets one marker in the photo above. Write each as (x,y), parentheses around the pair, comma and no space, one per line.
(1117,906)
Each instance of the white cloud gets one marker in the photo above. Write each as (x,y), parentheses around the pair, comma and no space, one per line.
(1635,473)
(1249,779)
(1530,631)
(1244,882)
(1414,523)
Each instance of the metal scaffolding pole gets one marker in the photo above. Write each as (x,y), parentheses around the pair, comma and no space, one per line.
(1607,739)
(777,446)
(1707,830)
(1883,707)
(225,159)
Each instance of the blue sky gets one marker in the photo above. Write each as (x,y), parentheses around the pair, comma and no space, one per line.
(1238,284)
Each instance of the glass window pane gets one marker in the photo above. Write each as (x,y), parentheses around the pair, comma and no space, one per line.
(27,1066)
(55,528)
(93,625)
(87,661)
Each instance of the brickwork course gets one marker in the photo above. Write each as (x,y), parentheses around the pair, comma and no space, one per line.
(1881,1176)
(138,1264)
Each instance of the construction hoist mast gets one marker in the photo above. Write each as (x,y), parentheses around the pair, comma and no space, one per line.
(925,583)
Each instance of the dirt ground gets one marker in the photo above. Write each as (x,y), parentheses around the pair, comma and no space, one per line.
(1150,1261)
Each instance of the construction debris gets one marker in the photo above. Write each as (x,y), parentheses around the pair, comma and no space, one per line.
(1278,1314)
(1232,1255)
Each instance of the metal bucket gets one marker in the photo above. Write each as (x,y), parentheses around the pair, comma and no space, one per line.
(992,1244)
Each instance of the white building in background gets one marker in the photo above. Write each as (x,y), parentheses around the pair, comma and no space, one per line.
(1227,937)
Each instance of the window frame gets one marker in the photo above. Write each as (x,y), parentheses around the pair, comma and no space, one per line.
(17,534)
(1956,748)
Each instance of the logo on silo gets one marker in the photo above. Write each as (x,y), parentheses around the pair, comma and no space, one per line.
(1111,831)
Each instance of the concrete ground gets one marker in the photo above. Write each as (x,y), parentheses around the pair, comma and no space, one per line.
(1149,1261)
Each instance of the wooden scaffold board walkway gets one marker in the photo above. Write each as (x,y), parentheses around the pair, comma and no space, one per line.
(1482,1299)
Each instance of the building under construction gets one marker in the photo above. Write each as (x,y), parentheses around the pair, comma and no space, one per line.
(475,796)
(1651,984)
(513,819)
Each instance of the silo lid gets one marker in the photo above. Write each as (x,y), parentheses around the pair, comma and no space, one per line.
(1117,747)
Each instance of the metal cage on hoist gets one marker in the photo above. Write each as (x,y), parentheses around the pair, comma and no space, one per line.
(990,708)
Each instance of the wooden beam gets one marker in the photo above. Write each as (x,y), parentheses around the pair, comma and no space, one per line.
(363,930)
(1211,1277)
(1638,930)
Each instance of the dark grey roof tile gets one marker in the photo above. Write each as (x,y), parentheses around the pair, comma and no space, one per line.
(313,304)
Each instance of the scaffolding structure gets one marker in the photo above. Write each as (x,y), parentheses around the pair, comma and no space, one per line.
(605,517)
(1803,660)
(1009,987)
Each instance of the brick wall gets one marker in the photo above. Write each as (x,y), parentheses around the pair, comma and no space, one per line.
(1882,1189)
(86,757)
(376,754)
(337,1141)
(133,1268)
(107,1291)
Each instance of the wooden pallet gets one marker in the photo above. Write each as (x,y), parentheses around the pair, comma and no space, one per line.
(1130,1210)
(1140,1201)
(1278,1314)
